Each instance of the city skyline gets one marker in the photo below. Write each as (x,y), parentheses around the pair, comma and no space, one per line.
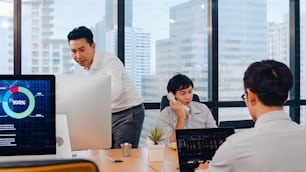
(59,6)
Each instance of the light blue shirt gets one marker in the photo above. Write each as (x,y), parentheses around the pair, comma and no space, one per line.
(199,117)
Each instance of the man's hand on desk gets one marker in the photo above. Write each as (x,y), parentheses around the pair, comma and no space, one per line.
(201,167)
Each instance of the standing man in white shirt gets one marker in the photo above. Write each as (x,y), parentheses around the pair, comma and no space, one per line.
(276,143)
(127,106)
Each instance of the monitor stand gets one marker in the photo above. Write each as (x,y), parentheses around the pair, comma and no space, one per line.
(63,146)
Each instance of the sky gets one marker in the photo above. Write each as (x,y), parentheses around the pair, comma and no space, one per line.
(6,8)
(68,15)
(154,11)
(92,11)
(276,9)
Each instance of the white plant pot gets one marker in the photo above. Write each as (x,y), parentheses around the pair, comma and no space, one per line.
(156,152)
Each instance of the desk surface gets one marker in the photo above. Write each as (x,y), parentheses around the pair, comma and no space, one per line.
(137,162)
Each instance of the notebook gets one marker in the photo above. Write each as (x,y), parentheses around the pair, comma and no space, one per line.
(27,117)
(196,146)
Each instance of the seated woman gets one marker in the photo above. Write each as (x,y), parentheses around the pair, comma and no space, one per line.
(175,116)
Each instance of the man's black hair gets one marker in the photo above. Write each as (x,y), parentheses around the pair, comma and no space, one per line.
(270,80)
(178,82)
(81,32)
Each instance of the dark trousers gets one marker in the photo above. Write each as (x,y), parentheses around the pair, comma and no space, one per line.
(127,126)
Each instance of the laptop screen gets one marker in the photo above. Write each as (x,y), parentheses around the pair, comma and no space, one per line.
(195,146)
(27,115)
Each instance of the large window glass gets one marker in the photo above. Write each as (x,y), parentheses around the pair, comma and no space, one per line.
(149,121)
(45,25)
(7,37)
(234,114)
(163,38)
(249,31)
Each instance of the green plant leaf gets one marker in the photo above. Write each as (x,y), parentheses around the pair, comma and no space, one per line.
(156,134)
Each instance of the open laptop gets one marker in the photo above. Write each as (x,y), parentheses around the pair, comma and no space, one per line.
(196,146)
(27,117)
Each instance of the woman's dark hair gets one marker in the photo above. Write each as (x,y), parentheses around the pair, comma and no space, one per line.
(178,82)
(81,32)
(270,80)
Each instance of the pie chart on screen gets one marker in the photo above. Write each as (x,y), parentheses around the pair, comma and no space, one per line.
(8,102)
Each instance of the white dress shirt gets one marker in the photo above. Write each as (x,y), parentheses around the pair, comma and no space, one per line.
(275,144)
(124,94)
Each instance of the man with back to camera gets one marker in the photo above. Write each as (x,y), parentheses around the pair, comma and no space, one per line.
(175,117)
(127,106)
(275,143)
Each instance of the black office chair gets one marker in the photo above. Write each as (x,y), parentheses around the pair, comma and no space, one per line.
(241,124)
(165,102)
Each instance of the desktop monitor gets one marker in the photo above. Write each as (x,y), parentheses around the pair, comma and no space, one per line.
(86,101)
(27,117)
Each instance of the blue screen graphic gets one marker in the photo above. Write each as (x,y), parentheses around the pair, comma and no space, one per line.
(27,119)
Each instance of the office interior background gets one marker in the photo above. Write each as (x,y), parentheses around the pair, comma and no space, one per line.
(211,41)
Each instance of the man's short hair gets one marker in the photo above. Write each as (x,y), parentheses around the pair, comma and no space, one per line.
(178,82)
(270,80)
(81,32)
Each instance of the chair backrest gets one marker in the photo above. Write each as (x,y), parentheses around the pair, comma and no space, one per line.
(165,102)
(237,124)
(57,165)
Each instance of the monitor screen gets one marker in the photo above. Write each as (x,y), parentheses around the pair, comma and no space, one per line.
(198,145)
(86,100)
(27,115)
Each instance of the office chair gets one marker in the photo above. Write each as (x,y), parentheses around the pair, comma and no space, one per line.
(241,124)
(165,102)
(56,165)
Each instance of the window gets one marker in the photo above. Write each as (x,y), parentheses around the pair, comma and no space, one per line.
(6,35)
(173,41)
(249,31)
(176,30)
(162,38)
(45,25)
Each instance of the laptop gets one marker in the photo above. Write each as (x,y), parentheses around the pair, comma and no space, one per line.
(196,146)
(27,117)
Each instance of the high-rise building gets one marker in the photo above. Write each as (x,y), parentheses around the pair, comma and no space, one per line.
(184,51)
(111,14)
(6,44)
(137,54)
(137,42)
(242,40)
(37,30)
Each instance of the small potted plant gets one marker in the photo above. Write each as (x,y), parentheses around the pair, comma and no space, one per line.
(155,148)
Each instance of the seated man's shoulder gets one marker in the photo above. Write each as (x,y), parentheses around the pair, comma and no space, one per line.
(198,105)
(167,110)
(242,136)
